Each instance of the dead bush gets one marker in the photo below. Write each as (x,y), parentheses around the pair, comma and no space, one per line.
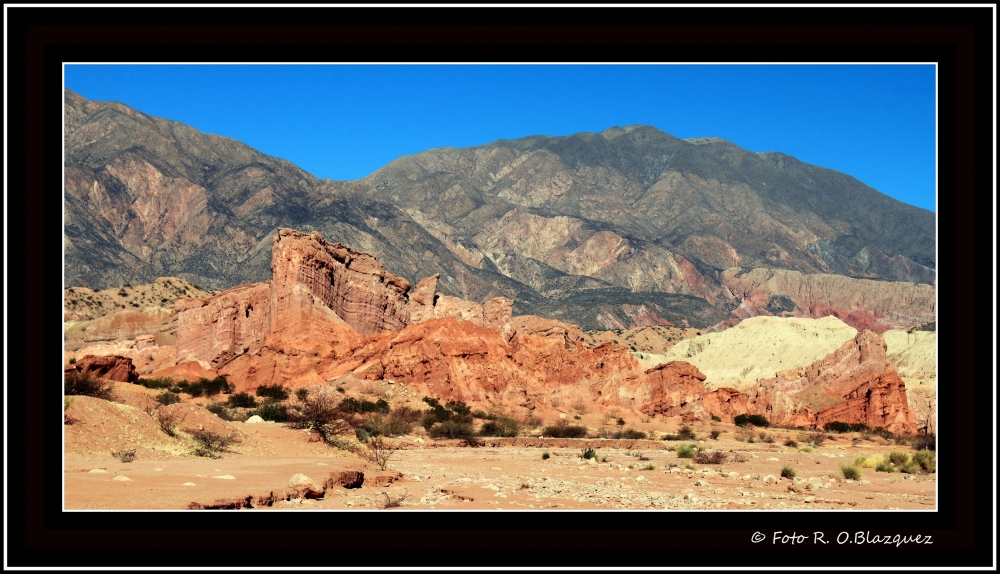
(169,420)
(711,457)
(378,450)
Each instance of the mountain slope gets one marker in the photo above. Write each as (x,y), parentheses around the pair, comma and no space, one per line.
(624,228)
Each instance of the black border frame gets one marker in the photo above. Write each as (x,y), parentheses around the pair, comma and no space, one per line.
(40,38)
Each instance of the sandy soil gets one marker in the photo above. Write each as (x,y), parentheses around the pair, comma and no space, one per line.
(508,474)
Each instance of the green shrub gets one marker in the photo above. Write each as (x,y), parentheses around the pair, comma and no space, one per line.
(209,387)
(302,394)
(88,385)
(648,466)
(565,430)
(755,420)
(842,427)
(588,453)
(393,424)
(631,434)
(501,426)
(716,419)
(275,392)
(925,442)
(850,472)
(241,400)
(269,411)
(686,450)
(787,472)
(351,405)
(689,466)
(481,414)
(156,383)
(806,449)
(898,457)
(167,398)
(926,459)
(909,467)
(452,429)
(686,433)
(546,455)
(884,466)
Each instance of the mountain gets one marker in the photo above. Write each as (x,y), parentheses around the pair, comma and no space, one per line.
(624,228)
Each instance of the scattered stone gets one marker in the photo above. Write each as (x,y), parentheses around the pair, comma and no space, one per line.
(256,419)
(226,477)
(773,458)
(189,484)
(97,471)
(306,487)
(770,479)
(121,478)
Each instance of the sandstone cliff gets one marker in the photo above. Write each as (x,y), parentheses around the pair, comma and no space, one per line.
(914,356)
(759,348)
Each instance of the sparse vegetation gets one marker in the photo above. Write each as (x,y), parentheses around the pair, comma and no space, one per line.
(301,394)
(765,438)
(565,430)
(925,442)
(241,400)
(710,457)
(156,383)
(351,405)
(689,466)
(167,398)
(755,420)
(169,420)
(503,426)
(209,443)
(452,429)
(546,455)
(629,434)
(393,502)
(787,472)
(898,457)
(716,419)
(269,411)
(816,439)
(275,392)
(842,427)
(791,443)
(207,387)
(127,455)
(320,414)
(88,385)
(686,450)
(378,450)
(927,459)
(806,449)
(621,422)
(648,466)
(715,434)
(588,453)
(686,433)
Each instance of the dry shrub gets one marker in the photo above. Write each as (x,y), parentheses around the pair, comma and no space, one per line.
(88,385)
(169,420)
(711,457)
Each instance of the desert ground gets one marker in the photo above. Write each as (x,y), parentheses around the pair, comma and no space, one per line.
(274,467)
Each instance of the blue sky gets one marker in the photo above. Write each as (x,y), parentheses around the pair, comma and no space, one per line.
(874,122)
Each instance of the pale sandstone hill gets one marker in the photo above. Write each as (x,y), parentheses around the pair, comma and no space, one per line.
(759,348)
(914,355)
(124,313)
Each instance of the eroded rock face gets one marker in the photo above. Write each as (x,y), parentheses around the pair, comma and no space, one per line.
(352,284)
(727,403)
(854,384)
(218,329)
(110,367)
(673,389)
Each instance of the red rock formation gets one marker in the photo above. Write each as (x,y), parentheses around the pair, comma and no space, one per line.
(352,284)
(190,371)
(854,384)
(421,305)
(218,329)
(109,367)
(727,403)
(671,389)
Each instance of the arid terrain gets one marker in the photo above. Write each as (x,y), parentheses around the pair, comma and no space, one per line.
(484,473)
(611,320)
(334,385)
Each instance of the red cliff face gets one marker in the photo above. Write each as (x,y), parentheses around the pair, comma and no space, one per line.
(109,367)
(854,384)
(351,284)
(330,311)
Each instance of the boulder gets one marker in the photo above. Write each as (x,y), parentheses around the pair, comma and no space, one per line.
(111,367)
(306,487)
